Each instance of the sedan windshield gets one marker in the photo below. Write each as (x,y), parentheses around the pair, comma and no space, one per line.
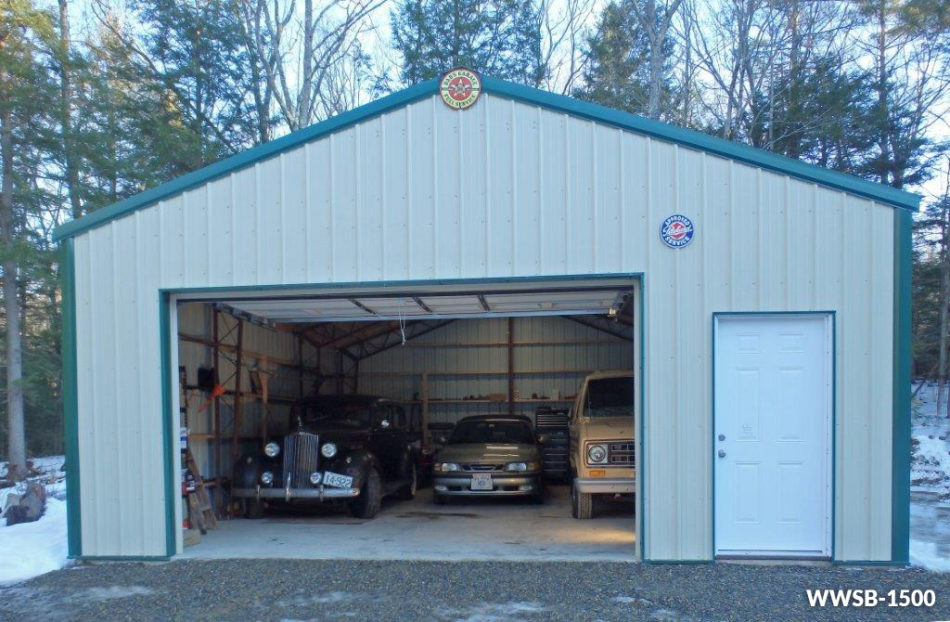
(610,397)
(491,432)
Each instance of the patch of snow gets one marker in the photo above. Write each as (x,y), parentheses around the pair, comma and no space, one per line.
(929,555)
(113,592)
(496,612)
(32,549)
(631,600)
(316,599)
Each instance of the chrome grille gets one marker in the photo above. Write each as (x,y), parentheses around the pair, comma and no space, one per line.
(300,458)
(477,466)
(621,454)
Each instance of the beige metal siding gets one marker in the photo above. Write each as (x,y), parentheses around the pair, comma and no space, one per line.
(503,189)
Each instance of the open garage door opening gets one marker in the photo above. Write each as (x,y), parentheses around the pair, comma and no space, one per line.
(485,420)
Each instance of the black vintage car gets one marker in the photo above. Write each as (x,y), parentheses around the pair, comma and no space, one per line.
(354,448)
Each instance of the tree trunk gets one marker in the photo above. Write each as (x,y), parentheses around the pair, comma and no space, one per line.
(65,86)
(16,438)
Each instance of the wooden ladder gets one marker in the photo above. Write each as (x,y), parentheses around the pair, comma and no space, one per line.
(199,501)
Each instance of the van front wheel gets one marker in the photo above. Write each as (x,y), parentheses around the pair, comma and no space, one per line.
(582,503)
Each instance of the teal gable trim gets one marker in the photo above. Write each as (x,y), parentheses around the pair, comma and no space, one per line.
(245,159)
(551,101)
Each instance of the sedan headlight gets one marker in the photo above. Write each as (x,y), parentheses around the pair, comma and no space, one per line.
(328,450)
(267,478)
(446,467)
(516,466)
(596,454)
(271,449)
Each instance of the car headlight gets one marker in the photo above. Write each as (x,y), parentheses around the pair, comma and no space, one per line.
(316,477)
(516,466)
(446,467)
(267,478)
(328,450)
(271,449)
(596,454)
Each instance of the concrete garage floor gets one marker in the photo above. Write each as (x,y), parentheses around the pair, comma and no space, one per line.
(476,529)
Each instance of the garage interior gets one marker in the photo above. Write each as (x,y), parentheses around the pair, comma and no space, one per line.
(445,352)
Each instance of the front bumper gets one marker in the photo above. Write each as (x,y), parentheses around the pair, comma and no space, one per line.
(606,485)
(504,485)
(318,493)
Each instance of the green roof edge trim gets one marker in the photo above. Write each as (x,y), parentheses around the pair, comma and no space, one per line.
(552,101)
(705,142)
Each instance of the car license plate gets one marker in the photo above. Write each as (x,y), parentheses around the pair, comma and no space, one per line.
(335,480)
(482,481)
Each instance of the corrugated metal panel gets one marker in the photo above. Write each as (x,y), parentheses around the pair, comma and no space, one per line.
(427,193)
(451,354)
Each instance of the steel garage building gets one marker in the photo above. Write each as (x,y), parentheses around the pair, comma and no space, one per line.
(768,302)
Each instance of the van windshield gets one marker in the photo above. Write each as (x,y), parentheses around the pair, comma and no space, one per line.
(610,397)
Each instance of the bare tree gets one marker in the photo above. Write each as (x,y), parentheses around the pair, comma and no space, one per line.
(307,53)
(656,22)
(565,26)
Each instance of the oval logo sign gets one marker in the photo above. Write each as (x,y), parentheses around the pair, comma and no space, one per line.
(676,231)
(460,87)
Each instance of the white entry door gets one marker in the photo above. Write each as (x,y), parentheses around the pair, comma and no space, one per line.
(772,445)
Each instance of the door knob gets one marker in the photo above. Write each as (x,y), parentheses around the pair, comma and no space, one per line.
(722,454)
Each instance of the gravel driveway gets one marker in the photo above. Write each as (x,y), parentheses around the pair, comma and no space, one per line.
(249,590)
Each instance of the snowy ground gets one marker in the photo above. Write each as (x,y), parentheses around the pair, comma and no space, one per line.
(930,483)
(32,549)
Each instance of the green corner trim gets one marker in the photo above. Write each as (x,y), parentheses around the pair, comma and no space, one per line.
(171,490)
(558,103)
(67,275)
(900,478)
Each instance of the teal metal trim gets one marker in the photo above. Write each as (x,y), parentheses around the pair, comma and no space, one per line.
(272,290)
(834,408)
(171,490)
(559,103)
(900,478)
(67,275)
(165,307)
(641,474)
(246,158)
(705,142)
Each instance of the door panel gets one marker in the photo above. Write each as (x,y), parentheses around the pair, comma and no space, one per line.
(773,435)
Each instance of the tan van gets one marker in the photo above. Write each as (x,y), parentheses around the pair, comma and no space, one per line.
(602,440)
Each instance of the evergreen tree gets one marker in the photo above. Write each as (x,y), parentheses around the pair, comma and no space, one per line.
(500,38)
(619,55)
(27,96)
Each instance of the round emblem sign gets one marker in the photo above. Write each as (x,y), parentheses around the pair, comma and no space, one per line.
(676,231)
(460,87)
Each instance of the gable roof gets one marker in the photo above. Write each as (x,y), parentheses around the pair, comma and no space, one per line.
(551,101)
